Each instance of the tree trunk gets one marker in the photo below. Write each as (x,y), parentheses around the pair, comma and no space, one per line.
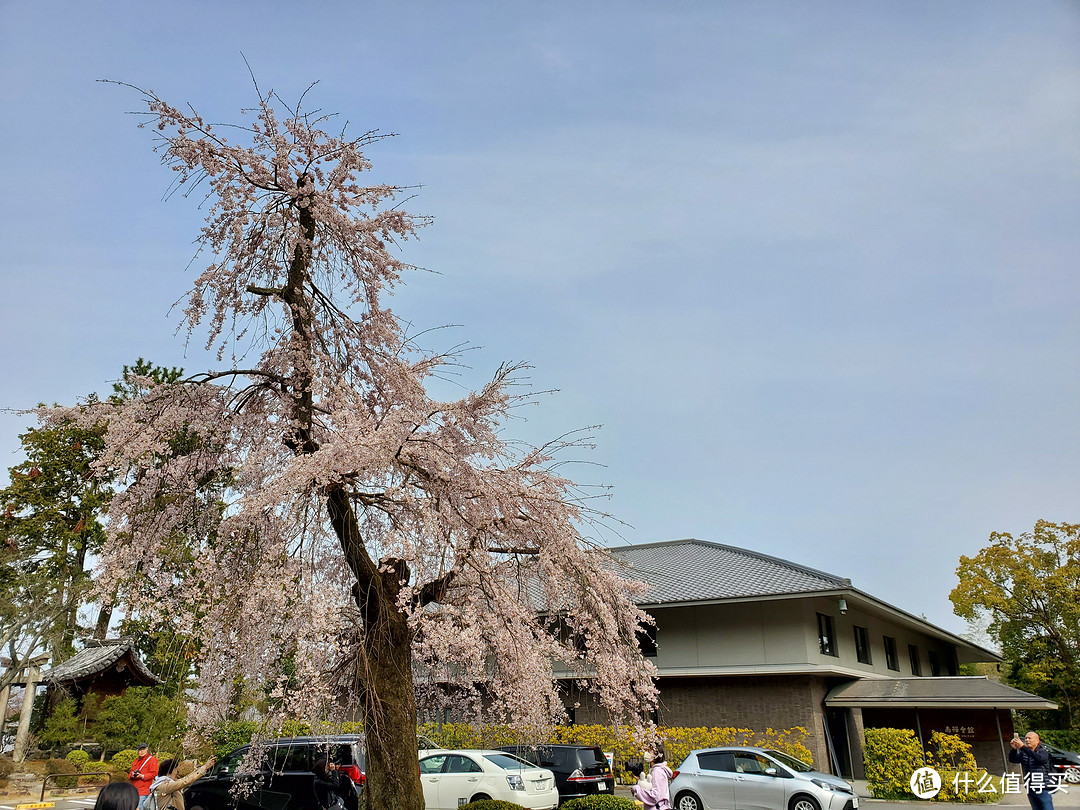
(384,673)
(389,713)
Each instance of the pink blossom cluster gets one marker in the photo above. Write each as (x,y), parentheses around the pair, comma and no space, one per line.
(222,527)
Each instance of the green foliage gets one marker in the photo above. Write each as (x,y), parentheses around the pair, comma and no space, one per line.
(1068,739)
(141,714)
(891,755)
(491,804)
(1026,586)
(78,758)
(62,726)
(50,527)
(231,735)
(599,802)
(62,766)
(123,760)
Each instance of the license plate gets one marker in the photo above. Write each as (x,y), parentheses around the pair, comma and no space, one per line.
(602,786)
(855,803)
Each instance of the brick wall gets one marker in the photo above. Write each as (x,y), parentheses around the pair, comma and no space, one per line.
(758,702)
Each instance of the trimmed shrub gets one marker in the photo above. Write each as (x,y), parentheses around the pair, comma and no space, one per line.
(491,804)
(598,802)
(62,766)
(122,760)
(891,756)
(78,758)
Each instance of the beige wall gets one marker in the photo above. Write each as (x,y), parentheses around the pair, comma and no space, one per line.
(779,635)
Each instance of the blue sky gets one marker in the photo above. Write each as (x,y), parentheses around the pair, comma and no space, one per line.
(812,266)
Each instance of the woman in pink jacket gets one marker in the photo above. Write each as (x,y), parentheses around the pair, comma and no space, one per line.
(656,796)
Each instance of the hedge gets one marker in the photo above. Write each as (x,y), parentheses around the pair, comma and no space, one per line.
(677,742)
(491,804)
(601,802)
(1067,738)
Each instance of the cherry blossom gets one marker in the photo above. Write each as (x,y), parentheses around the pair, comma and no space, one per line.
(311,502)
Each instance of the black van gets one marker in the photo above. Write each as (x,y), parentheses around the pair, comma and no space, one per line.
(286,777)
(580,770)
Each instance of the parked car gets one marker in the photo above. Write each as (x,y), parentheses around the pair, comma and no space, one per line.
(452,778)
(286,779)
(580,770)
(1066,763)
(747,778)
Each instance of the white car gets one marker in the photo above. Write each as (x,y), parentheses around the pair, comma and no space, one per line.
(452,778)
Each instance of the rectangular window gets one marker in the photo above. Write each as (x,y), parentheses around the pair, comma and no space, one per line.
(862,645)
(951,664)
(935,663)
(913,657)
(646,637)
(891,661)
(826,636)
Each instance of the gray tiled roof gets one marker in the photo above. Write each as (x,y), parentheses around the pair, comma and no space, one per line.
(98,657)
(972,691)
(696,570)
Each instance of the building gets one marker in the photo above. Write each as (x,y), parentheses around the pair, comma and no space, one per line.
(752,641)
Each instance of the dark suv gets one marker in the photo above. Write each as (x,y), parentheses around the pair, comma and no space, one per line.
(286,777)
(580,770)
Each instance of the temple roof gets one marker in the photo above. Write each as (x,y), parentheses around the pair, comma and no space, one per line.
(96,658)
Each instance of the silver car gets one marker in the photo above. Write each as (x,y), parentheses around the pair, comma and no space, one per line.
(743,778)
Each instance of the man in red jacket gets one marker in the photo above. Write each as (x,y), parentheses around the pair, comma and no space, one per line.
(143,772)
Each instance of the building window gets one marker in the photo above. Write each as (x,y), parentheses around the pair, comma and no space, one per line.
(935,663)
(826,635)
(862,645)
(891,661)
(951,663)
(646,638)
(913,657)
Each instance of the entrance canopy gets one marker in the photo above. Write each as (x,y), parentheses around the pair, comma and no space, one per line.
(956,692)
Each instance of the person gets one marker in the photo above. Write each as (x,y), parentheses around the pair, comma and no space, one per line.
(330,784)
(143,772)
(657,795)
(1034,760)
(168,788)
(117,796)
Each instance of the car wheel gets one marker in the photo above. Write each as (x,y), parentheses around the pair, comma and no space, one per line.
(1072,775)
(687,801)
(803,802)
(479,797)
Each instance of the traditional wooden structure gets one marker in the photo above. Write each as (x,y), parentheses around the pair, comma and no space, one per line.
(106,668)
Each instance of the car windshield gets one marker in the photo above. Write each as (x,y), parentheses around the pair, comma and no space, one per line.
(796,765)
(508,762)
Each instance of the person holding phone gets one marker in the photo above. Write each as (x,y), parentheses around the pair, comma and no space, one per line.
(1034,760)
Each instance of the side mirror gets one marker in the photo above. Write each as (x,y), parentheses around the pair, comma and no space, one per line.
(770,771)
(223,770)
